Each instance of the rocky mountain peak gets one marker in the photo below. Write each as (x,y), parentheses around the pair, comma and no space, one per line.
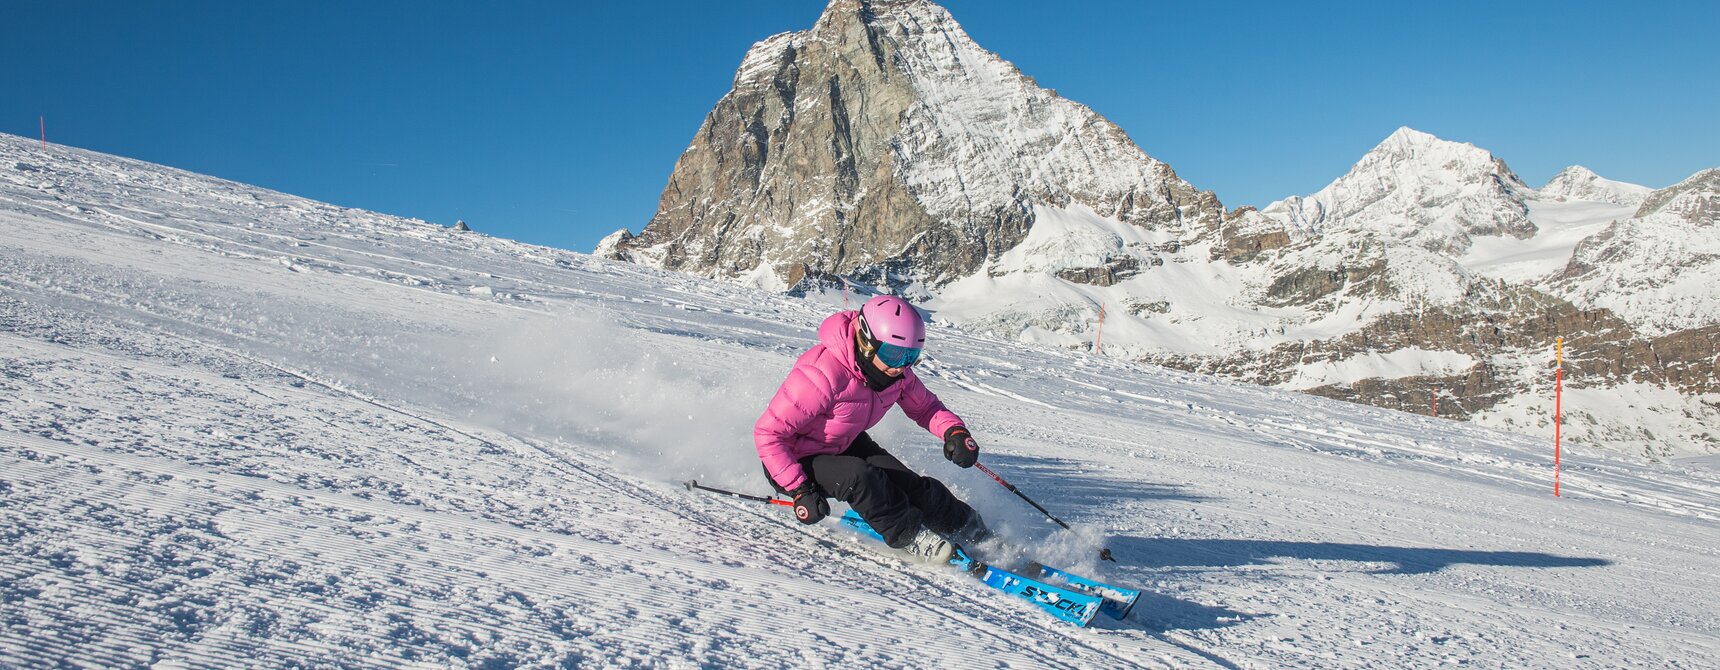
(1411,158)
(1696,199)
(1580,183)
(1434,193)
(1408,141)
(882,12)
(884,143)
(1573,174)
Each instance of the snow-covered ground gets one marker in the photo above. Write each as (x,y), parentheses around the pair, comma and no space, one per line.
(238,428)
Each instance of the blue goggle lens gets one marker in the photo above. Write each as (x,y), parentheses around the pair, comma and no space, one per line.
(897,356)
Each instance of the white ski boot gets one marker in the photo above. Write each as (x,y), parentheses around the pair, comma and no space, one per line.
(929,547)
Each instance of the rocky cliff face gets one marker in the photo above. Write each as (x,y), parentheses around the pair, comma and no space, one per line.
(885,142)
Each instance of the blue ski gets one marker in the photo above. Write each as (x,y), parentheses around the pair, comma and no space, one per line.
(1118,600)
(1068,604)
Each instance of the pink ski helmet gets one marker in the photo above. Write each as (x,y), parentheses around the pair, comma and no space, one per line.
(892,330)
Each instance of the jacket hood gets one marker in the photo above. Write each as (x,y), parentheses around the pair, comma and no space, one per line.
(837,336)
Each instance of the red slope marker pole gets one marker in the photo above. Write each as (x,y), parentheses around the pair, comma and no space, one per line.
(44,120)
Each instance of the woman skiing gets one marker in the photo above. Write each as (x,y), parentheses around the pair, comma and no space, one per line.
(813,443)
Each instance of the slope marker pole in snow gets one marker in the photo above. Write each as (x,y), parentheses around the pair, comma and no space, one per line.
(692,484)
(44,120)
(1104,553)
(1558,408)
(1099,337)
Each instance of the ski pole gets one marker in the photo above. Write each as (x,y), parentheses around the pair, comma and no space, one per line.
(692,484)
(1104,553)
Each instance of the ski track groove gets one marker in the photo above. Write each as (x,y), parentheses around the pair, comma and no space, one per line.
(267,533)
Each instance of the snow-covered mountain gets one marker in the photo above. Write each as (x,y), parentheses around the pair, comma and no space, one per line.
(240,428)
(1659,269)
(1419,189)
(1580,183)
(883,150)
(1478,302)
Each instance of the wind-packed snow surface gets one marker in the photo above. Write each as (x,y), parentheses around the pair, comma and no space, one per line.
(239,428)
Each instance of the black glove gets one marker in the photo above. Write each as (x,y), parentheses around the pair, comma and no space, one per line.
(809,504)
(960,448)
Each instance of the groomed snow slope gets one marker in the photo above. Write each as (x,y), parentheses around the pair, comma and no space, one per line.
(238,428)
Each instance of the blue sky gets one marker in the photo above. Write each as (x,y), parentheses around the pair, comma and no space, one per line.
(557,122)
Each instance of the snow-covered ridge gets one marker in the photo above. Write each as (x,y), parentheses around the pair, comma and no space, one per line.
(1695,200)
(763,56)
(1660,268)
(1418,188)
(1580,183)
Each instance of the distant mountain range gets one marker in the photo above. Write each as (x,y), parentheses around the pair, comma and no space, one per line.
(883,149)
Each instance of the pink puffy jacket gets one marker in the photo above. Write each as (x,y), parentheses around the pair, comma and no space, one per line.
(825,403)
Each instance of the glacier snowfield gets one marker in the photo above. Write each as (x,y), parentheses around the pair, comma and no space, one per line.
(243,429)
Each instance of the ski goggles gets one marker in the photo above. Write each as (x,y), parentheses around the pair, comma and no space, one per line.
(897,356)
(892,355)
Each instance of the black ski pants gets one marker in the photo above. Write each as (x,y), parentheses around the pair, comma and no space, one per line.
(896,501)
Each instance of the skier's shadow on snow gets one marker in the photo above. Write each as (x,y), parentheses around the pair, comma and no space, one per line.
(1214,553)
(1160,613)
(1066,485)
